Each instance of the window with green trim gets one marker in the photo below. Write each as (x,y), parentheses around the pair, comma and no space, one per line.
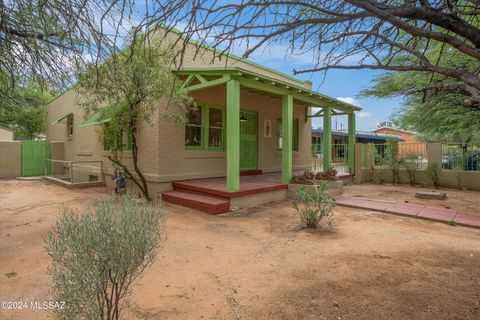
(193,129)
(116,142)
(70,125)
(294,134)
(205,129)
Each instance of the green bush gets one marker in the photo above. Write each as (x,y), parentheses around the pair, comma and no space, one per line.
(411,165)
(313,205)
(433,170)
(98,255)
(392,161)
(457,170)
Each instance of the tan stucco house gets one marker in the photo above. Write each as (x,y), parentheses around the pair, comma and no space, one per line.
(238,128)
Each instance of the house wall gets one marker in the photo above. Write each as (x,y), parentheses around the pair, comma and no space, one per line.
(6,134)
(162,154)
(10,161)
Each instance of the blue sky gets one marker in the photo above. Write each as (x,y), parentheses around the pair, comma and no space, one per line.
(343,84)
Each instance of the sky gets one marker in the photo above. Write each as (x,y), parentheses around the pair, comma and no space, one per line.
(344,85)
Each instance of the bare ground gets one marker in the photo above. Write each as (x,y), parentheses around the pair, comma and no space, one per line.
(251,264)
(464,200)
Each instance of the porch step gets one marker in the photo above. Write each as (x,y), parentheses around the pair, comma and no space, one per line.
(198,202)
(252,172)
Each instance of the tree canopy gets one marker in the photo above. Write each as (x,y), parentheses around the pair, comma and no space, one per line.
(348,34)
(438,113)
(134,81)
(24,110)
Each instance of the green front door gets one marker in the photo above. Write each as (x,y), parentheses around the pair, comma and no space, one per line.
(248,140)
(34,154)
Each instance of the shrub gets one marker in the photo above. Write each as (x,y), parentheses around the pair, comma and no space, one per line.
(97,255)
(392,161)
(433,170)
(411,165)
(457,170)
(313,205)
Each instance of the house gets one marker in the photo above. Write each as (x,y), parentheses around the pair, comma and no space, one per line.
(6,134)
(340,137)
(251,120)
(409,144)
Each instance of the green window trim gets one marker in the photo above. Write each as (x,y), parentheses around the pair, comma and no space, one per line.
(126,146)
(205,127)
(295,138)
(70,123)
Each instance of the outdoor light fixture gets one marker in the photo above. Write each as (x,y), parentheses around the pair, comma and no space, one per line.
(242,117)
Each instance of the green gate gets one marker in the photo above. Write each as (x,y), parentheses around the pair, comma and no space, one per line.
(34,155)
(248,141)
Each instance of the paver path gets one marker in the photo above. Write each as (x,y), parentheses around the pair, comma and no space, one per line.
(467,219)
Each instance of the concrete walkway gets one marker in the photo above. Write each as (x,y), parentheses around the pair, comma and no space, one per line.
(467,219)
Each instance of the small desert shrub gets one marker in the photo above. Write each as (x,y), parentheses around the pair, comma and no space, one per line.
(313,205)
(391,160)
(457,170)
(411,165)
(97,255)
(433,171)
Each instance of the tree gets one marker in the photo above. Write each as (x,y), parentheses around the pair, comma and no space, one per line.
(133,82)
(47,40)
(348,34)
(99,254)
(24,112)
(435,114)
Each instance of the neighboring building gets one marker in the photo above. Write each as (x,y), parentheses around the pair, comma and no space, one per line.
(239,101)
(406,136)
(6,134)
(409,144)
(341,138)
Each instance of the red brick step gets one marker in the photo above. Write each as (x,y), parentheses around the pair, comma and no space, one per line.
(198,202)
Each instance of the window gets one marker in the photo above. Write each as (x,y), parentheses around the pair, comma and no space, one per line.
(193,129)
(70,125)
(294,134)
(122,140)
(205,129)
(215,128)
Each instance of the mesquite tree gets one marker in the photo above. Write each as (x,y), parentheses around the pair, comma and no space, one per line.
(347,34)
(135,81)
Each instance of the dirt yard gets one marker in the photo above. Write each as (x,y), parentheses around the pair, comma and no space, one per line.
(253,265)
(462,200)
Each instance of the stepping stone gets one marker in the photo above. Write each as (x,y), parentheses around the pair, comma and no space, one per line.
(438,214)
(469,219)
(407,209)
(431,195)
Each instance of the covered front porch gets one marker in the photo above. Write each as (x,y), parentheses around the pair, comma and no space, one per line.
(287,94)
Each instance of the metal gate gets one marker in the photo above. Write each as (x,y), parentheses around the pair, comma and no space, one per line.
(34,154)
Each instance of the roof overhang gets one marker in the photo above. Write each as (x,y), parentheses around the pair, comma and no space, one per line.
(61,118)
(104,115)
(202,78)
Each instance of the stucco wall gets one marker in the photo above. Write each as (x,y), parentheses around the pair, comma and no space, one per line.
(10,159)
(199,57)
(6,134)
(470,179)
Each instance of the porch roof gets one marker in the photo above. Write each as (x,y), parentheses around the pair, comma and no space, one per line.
(201,78)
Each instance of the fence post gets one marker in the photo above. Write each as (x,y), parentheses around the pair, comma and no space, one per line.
(434,152)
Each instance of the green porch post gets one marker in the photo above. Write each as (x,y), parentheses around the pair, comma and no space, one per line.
(233,135)
(327,138)
(287,137)
(352,139)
